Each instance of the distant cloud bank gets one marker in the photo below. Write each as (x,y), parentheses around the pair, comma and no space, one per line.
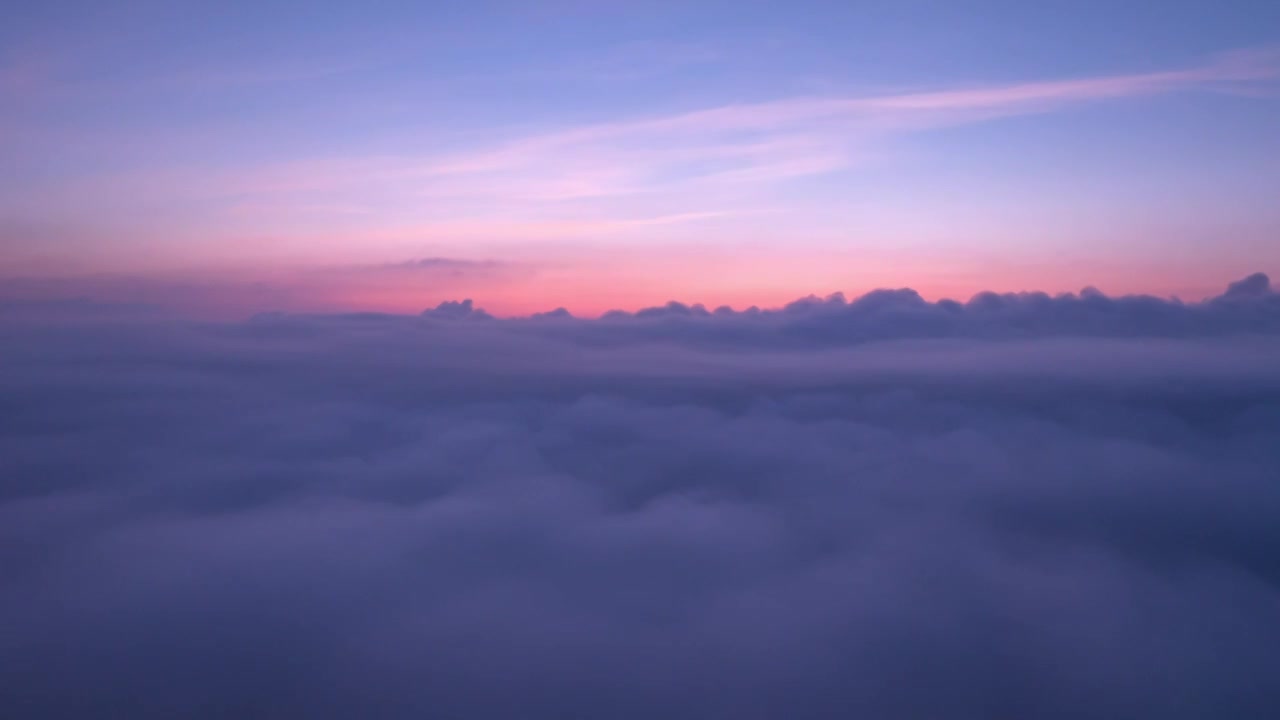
(1017,506)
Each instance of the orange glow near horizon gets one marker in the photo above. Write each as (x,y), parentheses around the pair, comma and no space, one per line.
(765,282)
(590,283)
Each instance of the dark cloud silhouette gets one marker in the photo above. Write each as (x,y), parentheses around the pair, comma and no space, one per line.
(455,310)
(1248,306)
(1019,506)
(1255,286)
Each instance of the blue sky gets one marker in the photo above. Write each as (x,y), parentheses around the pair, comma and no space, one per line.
(628,153)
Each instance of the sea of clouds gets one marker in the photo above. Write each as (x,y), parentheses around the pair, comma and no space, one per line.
(1022,506)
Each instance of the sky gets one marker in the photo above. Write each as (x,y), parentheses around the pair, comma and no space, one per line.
(686,360)
(229,158)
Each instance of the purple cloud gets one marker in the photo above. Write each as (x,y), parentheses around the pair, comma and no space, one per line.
(1017,506)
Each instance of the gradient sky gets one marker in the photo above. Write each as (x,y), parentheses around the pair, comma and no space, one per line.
(234,157)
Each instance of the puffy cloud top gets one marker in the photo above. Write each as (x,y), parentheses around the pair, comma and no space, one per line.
(1018,506)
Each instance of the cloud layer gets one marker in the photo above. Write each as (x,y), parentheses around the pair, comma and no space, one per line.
(1019,506)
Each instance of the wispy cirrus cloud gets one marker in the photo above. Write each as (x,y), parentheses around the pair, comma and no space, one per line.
(724,145)
(589,180)
(804,135)
(737,144)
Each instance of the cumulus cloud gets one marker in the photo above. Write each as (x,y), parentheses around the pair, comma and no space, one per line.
(1255,286)
(1018,506)
(457,310)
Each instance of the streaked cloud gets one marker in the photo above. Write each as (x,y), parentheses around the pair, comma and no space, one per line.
(704,174)
(730,148)
(774,140)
